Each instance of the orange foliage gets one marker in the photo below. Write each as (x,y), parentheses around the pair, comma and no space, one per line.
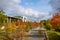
(36,24)
(20,24)
(55,21)
(41,24)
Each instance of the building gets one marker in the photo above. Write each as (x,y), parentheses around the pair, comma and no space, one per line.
(22,17)
(11,19)
(16,18)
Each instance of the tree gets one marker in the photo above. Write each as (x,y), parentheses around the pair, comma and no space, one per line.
(2,17)
(42,23)
(29,26)
(46,24)
(55,21)
(36,24)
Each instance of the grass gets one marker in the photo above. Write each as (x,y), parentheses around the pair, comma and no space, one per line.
(53,35)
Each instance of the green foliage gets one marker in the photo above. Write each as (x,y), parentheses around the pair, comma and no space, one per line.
(29,26)
(3,35)
(46,24)
(53,36)
(3,38)
(2,17)
(27,29)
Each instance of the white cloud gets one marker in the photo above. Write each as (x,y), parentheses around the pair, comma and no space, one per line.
(8,4)
(13,7)
(56,5)
(16,1)
(31,12)
(28,12)
(46,17)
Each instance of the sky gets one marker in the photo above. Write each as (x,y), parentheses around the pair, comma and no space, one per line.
(55,6)
(34,10)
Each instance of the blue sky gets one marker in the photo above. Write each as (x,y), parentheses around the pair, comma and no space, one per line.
(40,5)
(35,10)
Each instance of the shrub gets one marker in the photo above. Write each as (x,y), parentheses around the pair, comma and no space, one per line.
(53,36)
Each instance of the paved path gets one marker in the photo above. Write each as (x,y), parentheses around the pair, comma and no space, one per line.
(33,38)
(33,35)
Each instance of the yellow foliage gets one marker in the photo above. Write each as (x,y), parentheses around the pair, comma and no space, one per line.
(40,32)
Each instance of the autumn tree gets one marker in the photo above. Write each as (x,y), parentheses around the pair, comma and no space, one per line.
(55,21)
(36,24)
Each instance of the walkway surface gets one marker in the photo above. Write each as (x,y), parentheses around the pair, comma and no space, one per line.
(33,35)
(34,38)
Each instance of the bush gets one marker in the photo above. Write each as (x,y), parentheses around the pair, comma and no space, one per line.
(53,36)
(47,27)
(3,38)
(58,30)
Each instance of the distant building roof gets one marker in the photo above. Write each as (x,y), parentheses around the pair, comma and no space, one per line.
(14,17)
